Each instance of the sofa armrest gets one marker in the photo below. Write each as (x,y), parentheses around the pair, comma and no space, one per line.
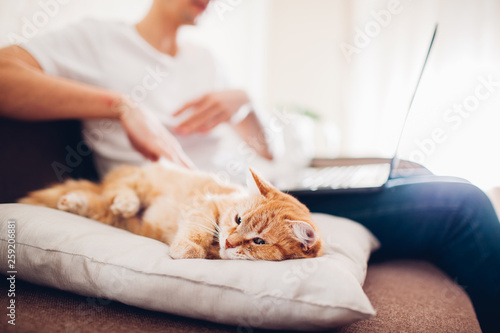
(36,154)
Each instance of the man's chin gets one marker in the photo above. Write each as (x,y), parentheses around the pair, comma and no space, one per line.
(190,19)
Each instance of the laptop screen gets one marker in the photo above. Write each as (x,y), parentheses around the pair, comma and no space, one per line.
(395,159)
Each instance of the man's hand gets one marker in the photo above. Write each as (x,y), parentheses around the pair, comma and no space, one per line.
(149,137)
(211,110)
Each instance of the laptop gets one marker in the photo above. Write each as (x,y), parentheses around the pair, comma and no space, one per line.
(371,175)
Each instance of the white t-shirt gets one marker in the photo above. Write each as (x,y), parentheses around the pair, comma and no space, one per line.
(114,56)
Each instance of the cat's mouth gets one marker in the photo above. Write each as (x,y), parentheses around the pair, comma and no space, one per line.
(222,242)
(223,252)
(232,254)
(228,253)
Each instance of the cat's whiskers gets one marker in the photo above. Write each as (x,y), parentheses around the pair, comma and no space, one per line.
(206,229)
(205,216)
(217,229)
(215,233)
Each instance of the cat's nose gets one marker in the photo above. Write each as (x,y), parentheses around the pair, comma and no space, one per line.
(228,245)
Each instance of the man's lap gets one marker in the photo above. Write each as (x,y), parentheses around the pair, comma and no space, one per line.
(445,220)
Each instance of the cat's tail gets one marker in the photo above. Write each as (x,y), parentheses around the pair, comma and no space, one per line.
(50,197)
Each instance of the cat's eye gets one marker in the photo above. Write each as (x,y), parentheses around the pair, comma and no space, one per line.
(237,219)
(259,241)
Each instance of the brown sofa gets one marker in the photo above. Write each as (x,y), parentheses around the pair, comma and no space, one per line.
(409,296)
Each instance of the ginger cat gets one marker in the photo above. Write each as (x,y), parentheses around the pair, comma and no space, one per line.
(193,213)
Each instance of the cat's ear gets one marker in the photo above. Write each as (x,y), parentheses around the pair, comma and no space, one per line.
(257,185)
(305,233)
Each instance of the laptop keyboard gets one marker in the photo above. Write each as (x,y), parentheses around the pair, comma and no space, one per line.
(341,177)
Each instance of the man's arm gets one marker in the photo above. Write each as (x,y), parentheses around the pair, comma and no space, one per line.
(252,131)
(27,93)
(212,109)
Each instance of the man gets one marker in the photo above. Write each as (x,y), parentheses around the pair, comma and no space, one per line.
(135,75)
(85,71)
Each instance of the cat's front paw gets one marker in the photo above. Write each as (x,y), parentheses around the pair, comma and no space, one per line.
(187,250)
(73,202)
(125,205)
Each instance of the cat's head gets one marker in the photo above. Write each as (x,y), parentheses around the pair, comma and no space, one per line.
(267,224)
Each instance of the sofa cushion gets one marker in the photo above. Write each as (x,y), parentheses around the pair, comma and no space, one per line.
(68,252)
(414,296)
(410,296)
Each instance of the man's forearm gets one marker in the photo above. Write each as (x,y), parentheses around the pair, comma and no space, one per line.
(252,131)
(29,94)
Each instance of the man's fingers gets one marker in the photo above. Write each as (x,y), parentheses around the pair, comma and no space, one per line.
(214,122)
(151,139)
(162,146)
(153,158)
(184,108)
(170,148)
(178,157)
(145,151)
(183,159)
(186,161)
(189,105)
(199,118)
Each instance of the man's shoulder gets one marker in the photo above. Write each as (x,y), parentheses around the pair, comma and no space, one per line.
(87,31)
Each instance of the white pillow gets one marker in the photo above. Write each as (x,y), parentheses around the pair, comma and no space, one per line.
(65,251)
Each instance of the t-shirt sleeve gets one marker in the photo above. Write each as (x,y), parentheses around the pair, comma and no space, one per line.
(70,52)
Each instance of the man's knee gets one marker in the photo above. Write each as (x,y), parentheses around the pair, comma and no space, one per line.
(473,196)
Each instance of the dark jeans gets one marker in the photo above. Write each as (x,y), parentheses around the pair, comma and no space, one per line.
(444,220)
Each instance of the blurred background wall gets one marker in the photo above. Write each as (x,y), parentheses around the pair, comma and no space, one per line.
(352,62)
